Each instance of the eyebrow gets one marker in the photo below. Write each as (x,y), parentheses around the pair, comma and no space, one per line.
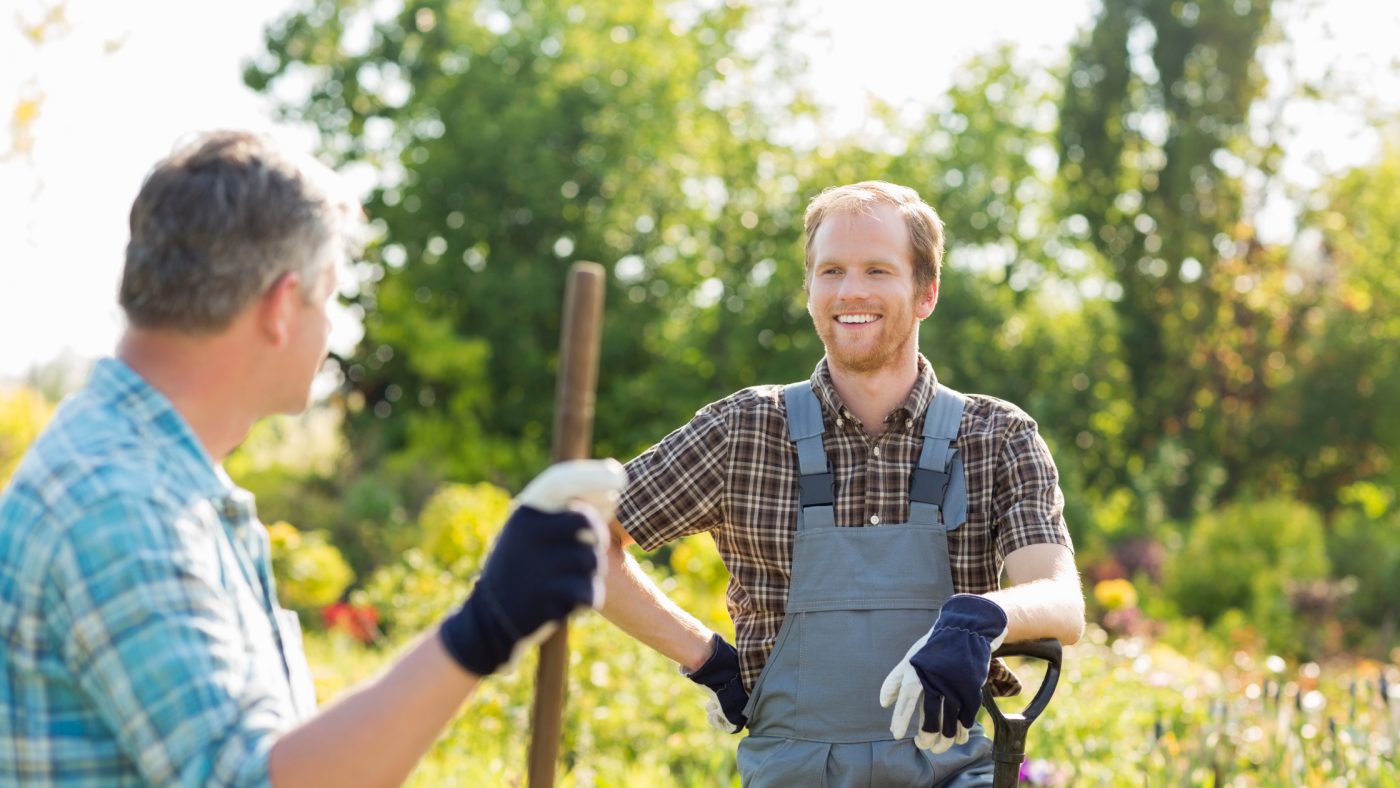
(870,261)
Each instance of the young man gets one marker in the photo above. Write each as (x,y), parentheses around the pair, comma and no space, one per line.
(140,637)
(865,516)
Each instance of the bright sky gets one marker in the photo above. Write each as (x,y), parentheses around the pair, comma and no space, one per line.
(130,79)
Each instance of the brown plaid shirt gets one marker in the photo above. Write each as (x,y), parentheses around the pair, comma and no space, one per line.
(732,471)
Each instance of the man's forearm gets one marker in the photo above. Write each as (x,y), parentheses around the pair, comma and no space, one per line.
(1046,600)
(639,608)
(376,735)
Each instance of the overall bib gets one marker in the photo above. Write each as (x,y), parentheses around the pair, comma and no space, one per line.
(859,599)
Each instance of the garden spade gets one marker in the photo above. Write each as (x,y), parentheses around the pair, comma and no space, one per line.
(574,394)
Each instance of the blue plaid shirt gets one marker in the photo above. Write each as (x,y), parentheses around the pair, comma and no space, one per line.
(139,632)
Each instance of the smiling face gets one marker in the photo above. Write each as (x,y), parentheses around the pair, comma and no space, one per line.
(861,295)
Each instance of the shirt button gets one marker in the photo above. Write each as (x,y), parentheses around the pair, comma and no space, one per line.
(875,451)
(908,423)
(874,519)
(840,422)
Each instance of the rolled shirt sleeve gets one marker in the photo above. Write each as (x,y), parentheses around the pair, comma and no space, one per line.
(1026,491)
(676,488)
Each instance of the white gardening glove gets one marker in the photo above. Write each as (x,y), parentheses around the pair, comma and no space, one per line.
(598,483)
(564,485)
(949,665)
(903,689)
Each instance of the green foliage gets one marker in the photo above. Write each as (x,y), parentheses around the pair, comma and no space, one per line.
(1103,271)
(631,718)
(1248,557)
(310,571)
(1361,545)
(513,139)
(1154,143)
(459,522)
(1354,343)
(1127,711)
(23,414)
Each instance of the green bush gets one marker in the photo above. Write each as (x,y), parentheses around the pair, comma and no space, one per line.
(459,522)
(455,529)
(1249,557)
(23,414)
(1364,545)
(310,572)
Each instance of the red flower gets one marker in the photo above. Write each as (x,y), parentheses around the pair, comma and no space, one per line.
(360,622)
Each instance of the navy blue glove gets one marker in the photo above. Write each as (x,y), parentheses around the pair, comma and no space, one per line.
(720,675)
(948,667)
(541,569)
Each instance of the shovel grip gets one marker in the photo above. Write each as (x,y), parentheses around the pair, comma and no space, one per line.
(1009,747)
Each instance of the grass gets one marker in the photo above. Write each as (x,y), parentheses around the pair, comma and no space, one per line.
(1128,712)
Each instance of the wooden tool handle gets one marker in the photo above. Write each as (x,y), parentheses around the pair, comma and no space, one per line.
(574,397)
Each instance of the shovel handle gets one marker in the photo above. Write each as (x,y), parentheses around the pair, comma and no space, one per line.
(1009,747)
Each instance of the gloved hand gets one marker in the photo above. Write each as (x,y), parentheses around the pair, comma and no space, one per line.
(946,668)
(720,675)
(546,563)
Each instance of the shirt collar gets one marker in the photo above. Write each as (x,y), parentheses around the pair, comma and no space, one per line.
(156,420)
(912,408)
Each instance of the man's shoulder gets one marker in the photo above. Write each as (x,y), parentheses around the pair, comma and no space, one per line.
(754,399)
(992,415)
(89,452)
(748,408)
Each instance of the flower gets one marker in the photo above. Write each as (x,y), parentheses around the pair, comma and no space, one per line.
(360,622)
(1115,594)
(1038,771)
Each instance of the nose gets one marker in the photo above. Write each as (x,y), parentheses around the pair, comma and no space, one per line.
(854,287)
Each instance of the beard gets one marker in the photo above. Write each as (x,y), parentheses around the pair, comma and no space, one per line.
(863,355)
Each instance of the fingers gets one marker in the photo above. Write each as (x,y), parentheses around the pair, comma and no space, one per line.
(889,690)
(597,483)
(950,719)
(963,735)
(906,699)
(714,712)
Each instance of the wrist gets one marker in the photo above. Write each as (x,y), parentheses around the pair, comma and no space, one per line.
(974,613)
(700,653)
(474,639)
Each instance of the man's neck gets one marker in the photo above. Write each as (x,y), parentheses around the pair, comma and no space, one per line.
(870,396)
(200,380)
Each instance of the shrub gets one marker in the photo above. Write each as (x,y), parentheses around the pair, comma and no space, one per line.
(1247,557)
(23,414)
(310,572)
(456,528)
(1364,545)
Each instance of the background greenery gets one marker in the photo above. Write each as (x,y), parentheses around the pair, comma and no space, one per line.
(1215,401)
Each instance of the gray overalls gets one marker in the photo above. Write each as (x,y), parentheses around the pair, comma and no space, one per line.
(859,599)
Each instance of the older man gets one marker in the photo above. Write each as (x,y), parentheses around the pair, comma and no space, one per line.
(140,637)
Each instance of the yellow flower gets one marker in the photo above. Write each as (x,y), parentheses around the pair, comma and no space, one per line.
(1116,593)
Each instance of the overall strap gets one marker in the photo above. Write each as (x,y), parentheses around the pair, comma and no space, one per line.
(938,484)
(816,490)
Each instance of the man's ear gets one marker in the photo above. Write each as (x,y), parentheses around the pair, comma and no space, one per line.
(928,299)
(276,308)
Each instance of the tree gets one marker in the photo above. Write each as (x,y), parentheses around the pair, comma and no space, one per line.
(1153,139)
(511,139)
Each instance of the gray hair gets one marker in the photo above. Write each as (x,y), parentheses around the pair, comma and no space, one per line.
(217,223)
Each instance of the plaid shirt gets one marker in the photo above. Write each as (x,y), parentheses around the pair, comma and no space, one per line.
(732,471)
(136,640)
